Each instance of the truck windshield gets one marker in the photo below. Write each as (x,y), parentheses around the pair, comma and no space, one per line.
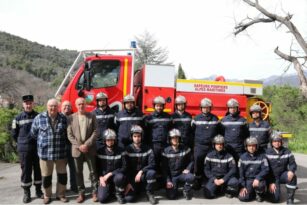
(104,73)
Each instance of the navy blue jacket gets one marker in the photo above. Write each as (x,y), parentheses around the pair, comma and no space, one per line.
(206,128)
(158,125)
(21,127)
(175,161)
(110,161)
(139,159)
(105,120)
(280,162)
(220,165)
(252,166)
(182,122)
(124,121)
(262,132)
(235,131)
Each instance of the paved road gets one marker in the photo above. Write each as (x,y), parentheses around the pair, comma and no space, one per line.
(11,192)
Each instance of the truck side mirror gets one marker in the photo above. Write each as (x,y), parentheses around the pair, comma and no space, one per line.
(87,76)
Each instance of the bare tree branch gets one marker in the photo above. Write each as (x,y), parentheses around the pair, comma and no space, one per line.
(242,26)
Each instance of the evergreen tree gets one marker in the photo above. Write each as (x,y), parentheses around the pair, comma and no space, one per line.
(181,74)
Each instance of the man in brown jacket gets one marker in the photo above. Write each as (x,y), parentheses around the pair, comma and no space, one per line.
(82,135)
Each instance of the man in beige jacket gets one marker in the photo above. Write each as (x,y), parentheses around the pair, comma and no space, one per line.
(82,135)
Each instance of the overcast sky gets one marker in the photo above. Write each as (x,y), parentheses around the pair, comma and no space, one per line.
(197,33)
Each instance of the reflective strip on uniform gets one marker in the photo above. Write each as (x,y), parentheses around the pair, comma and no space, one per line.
(38,182)
(121,189)
(272,156)
(180,154)
(259,129)
(14,124)
(205,122)
(151,181)
(26,184)
(247,162)
(182,119)
(219,160)
(139,154)
(104,116)
(290,186)
(107,157)
(129,118)
(22,122)
(160,120)
(233,123)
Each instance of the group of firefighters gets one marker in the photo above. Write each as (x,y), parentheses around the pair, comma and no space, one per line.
(171,151)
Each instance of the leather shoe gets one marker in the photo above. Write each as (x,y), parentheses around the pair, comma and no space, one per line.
(94,197)
(80,198)
(47,200)
(62,199)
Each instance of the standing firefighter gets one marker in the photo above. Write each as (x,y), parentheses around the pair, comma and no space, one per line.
(259,128)
(220,169)
(158,124)
(27,149)
(124,120)
(140,167)
(178,166)
(105,117)
(182,121)
(234,129)
(253,168)
(283,167)
(111,167)
(206,126)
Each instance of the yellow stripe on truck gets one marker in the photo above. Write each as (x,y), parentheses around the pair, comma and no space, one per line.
(218,83)
(125,77)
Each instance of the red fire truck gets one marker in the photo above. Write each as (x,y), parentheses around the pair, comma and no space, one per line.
(112,72)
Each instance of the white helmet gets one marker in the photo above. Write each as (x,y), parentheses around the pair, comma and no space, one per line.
(174,133)
(101,96)
(180,100)
(232,103)
(205,102)
(159,100)
(109,134)
(129,98)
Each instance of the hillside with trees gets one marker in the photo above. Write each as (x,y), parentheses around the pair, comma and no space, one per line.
(24,63)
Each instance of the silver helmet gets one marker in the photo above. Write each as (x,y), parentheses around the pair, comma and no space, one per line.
(218,139)
(205,102)
(276,136)
(109,134)
(251,141)
(180,100)
(232,103)
(136,129)
(174,133)
(101,96)
(159,100)
(255,108)
(129,98)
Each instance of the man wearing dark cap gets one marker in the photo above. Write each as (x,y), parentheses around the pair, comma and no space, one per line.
(27,149)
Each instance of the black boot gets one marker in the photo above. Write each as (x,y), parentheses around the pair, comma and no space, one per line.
(26,195)
(38,192)
(151,197)
(259,197)
(187,194)
(290,196)
(119,194)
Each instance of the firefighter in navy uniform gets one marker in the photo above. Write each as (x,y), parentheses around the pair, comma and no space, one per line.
(259,128)
(104,115)
(140,167)
(206,127)
(158,124)
(220,169)
(178,166)
(234,129)
(182,121)
(111,167)
(253,169)
(282,166)
(124,120)
(27,149)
